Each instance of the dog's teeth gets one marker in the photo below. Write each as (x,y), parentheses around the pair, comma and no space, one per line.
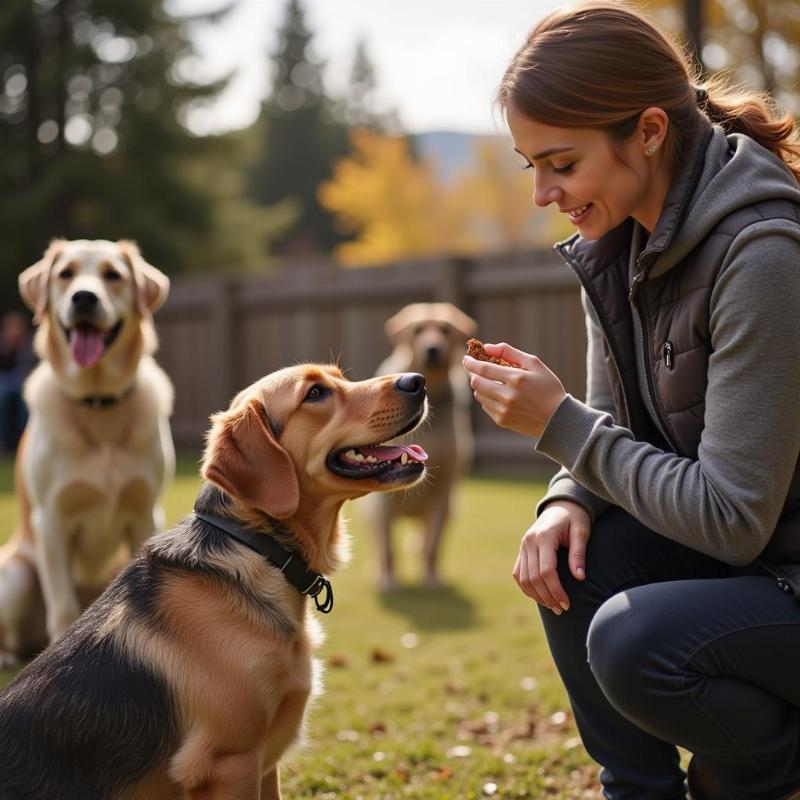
(371,459)
(351,454)
(404,459)
(359,457)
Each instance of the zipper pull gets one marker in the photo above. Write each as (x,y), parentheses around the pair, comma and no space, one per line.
(632,288)
(668,355)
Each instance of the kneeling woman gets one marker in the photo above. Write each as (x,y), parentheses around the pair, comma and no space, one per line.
(665,558)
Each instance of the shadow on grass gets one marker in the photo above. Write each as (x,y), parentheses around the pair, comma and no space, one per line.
(431,609)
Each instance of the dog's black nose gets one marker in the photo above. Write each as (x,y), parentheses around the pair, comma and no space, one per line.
(411,383)
(84,301)
(433,355)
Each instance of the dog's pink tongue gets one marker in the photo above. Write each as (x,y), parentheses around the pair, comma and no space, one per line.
(413,451)
(86,345)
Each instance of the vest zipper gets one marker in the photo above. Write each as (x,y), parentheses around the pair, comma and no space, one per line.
(638,302)
(589,288)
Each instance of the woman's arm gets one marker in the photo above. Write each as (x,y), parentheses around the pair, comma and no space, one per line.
(727,502)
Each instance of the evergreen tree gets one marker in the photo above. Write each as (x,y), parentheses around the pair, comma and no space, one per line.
(301,138)
(92,94)
(360,105)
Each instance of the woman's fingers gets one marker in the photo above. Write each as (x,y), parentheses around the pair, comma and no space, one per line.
(548,572)
(509,353)
(578,537)
(535,576)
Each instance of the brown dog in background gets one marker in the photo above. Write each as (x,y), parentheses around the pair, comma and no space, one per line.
(190,675)
(97,451)
(428,338)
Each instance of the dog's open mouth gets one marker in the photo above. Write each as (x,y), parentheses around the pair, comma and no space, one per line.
(87,343)
(401,463)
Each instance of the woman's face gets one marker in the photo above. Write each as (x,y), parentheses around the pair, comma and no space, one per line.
(577,169)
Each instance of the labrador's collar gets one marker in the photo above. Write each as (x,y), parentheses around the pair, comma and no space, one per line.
(104,400)
(290,563)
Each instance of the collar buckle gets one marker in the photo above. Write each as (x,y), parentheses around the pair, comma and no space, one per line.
(314,590)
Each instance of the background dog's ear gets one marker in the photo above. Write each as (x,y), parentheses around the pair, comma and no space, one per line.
(152,285)
(33,281)
(397,326)
(244,458)
(462,323)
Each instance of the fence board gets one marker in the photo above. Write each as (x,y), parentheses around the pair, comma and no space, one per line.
(219,334)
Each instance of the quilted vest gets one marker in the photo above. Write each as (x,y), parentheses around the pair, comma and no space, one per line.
(674,311)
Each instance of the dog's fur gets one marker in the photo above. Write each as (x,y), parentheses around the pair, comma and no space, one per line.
(88,477)
(428,338)
(190,675)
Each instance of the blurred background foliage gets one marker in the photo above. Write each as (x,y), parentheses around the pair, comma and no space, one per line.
(94,142)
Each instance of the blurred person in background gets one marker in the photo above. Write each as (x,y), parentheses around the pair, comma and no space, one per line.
(665,557)
(17,359)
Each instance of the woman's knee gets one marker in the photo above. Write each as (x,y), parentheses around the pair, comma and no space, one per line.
(622,647)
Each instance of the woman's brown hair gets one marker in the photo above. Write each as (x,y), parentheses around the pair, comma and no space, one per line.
(600,64)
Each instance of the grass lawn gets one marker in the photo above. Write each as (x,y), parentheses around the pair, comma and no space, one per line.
(430,694)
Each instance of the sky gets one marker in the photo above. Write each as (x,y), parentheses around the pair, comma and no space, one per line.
(437,62)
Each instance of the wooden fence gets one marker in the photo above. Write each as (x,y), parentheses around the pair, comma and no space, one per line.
(219,334)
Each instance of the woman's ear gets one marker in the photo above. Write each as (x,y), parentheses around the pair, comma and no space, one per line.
(244,458)
(651,130)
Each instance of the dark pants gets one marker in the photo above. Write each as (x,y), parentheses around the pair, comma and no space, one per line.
(13,413)
(664,646)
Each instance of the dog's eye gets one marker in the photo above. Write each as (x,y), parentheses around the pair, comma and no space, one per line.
(316,392)
(112,275)
(66,274)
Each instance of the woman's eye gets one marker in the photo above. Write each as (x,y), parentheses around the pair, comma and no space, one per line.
(565,170)
(316,392)
(528,166)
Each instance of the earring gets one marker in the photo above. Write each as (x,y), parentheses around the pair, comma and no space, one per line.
(651,149)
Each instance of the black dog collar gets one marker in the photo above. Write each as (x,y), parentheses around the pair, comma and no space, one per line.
(294,568)
(104,400)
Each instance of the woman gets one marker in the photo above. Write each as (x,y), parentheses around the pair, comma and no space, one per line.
(666,554)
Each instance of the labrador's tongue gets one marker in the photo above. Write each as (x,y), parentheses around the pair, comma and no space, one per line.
(86,345)
(386,453)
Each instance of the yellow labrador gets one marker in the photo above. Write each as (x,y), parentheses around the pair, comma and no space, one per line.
(190,675)
(428,338)
(97,452)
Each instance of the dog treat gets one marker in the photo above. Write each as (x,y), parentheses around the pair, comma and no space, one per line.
(475,350)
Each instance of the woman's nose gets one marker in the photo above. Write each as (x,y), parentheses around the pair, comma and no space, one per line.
(545,193)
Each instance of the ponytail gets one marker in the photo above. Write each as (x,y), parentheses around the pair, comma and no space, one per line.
(737,109)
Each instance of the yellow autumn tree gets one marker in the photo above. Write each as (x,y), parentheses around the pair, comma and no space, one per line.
(390,201)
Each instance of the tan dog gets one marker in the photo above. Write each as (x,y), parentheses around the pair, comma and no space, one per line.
(428,338)
(190,676)
(97,452)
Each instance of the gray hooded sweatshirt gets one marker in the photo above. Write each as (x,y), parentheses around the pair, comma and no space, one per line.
(727,501)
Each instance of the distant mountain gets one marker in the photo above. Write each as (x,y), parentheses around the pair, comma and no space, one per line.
(450,152)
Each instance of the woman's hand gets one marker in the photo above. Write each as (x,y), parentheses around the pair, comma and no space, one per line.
(561,524)
(522,400)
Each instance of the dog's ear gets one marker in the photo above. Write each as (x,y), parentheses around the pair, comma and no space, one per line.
(33,281)
(462,323)
(397,326)
(152,285)
(243,457)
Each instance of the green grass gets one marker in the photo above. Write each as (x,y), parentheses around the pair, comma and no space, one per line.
(430,694)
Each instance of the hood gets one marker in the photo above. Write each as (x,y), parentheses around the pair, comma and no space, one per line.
(734,172)
(719,174)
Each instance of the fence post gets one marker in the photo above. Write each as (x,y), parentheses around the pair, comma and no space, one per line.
(223,323)
(452,281)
